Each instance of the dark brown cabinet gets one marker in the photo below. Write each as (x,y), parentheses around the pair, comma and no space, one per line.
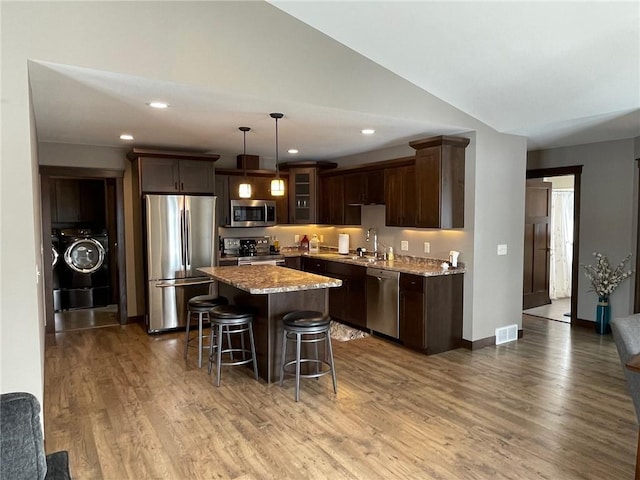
(293,262)
(348,302)
(78,201)
(431,312)
(159,171)
(439,176)
(364,188)
(332,207)
(304,189)
(400,194)
(167,175)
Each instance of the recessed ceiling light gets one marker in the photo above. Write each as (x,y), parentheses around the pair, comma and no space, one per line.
(126,136)
(293,151)
(368,131)
(158,104)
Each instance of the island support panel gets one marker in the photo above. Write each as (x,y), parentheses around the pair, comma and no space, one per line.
(267,326)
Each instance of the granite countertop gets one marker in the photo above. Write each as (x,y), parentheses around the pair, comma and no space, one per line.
(425,267)
(261,279)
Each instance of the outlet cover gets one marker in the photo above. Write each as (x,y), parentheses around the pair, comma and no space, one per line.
(321,238)
(404,245)
(427,247)
(502,249)
(296,238)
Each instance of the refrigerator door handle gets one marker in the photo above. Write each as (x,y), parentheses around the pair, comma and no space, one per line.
(182,235)
(187,242)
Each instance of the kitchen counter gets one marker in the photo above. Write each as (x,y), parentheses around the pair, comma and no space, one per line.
(425,267)
(263,279)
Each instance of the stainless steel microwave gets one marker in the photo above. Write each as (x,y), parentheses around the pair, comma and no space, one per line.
(253,213)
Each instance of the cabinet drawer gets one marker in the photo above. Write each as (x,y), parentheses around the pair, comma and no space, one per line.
(412,283)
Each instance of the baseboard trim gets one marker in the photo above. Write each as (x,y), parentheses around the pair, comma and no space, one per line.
(581,323)
(484,342)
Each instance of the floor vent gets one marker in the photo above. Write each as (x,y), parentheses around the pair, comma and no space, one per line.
(506,334)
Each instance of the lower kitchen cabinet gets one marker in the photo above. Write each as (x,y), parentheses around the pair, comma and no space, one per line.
(292,262)
(347,303)
(431,312)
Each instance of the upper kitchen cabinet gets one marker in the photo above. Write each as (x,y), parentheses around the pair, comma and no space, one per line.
(364,188)
(439,177)
(174,172)
(303,190)
(400,196)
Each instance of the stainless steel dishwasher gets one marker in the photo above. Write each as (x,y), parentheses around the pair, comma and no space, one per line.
(382,301)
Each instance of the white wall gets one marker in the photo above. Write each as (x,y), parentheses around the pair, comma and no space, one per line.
(608,211)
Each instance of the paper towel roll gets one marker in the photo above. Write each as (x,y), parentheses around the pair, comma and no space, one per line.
(343,243)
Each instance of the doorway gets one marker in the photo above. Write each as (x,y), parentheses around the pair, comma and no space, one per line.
(84,269)
(556,265)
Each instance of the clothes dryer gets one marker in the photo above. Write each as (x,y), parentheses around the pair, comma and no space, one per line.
(84,274)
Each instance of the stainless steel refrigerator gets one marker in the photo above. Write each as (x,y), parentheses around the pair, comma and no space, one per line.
(180,237)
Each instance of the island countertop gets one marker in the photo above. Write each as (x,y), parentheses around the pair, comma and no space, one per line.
(264,279)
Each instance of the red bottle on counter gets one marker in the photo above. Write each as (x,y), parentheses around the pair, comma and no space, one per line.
(304,244)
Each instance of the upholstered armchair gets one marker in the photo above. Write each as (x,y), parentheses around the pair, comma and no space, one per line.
(21,444)
(626,334)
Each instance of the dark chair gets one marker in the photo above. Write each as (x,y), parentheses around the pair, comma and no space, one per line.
(307,328)
(626,334)
(200,305)
(21,444)
(234,320)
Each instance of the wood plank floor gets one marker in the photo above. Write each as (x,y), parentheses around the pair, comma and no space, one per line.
(552,405)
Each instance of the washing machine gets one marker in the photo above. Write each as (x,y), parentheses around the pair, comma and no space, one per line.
(56,260)
(84,271)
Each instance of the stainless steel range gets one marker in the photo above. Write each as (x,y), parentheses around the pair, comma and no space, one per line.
(249,251)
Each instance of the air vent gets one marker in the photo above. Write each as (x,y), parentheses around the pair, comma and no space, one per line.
(506,334)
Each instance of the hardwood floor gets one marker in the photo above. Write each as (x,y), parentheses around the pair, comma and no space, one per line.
(552,405)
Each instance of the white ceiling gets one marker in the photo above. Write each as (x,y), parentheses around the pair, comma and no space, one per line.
(559,73)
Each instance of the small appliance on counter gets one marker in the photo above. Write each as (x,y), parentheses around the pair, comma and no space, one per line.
(343,243)
(453,258)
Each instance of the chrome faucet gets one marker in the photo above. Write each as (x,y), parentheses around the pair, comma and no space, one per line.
(372,232)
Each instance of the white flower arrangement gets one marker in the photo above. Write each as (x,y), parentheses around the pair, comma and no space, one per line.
(603,279)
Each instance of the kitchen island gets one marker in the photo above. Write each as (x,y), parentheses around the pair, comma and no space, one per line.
(272,291)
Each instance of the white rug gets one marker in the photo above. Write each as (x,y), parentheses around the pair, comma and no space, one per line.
(342,333)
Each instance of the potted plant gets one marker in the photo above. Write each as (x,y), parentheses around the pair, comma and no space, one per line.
(604,280)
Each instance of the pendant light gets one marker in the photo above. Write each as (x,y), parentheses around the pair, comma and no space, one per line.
(277,184)
(244,190)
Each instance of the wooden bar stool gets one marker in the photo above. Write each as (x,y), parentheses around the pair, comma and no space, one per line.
(307,327)
(236,320)
(200,305)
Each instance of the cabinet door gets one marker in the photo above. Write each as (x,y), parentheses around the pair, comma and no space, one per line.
(67,200)
(443,312)
(331,208)
(159,175)
(354,189)
(196,176)
(400,196)
(302,198)
(440,180)
(223,207)
(412,321)
(347,303)
(292,262)
(374,193)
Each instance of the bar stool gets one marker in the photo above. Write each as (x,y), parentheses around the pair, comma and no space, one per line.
(236,320)
(307,327)
(200,305)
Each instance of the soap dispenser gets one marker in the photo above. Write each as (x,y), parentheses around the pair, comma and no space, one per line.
(314,244)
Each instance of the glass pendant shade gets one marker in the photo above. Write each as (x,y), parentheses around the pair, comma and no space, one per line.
(277,184)
(244,190)
(277,187)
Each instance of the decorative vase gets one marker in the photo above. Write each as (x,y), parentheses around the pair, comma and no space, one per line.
(603,312)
